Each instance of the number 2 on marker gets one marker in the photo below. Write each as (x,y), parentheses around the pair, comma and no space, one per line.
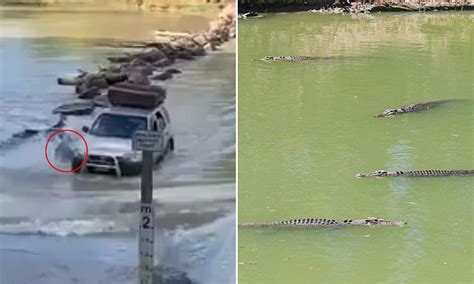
(146,222)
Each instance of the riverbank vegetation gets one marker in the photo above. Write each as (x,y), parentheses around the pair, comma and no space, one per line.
(342,6)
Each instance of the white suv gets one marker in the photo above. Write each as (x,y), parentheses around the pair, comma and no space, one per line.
(110,139)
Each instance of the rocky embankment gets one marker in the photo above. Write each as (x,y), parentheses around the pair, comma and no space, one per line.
(150,65)
(358,7)
(249,8)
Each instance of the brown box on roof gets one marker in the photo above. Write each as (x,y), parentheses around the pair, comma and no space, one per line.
(131,95)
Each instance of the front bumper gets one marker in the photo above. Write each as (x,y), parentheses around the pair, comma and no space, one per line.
(107,164)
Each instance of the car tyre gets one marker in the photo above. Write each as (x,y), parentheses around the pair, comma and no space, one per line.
(128,170)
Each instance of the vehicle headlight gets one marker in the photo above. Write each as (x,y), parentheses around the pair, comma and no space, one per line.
(134,156)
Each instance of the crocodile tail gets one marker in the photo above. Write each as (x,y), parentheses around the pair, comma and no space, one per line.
(436,173)
(292,223)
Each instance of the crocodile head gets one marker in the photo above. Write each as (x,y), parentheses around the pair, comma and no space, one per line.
(266,58)
(372,221)
(377,173)
(274,58)
(389,112)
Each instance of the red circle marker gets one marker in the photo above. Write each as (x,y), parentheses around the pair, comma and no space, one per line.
(84,161)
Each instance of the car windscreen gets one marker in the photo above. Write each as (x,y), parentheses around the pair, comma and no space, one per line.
(113,125)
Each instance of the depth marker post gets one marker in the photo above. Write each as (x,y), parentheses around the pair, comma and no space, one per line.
(147,142)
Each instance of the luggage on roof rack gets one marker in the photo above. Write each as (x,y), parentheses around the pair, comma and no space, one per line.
(139,96)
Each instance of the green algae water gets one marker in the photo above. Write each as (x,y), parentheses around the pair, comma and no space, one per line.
(306,129)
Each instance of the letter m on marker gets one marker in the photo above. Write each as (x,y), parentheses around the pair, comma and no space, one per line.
(145,209)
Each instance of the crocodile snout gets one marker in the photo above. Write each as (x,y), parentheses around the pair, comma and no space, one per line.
(400,223)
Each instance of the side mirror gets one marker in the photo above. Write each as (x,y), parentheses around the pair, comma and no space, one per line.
(85,129)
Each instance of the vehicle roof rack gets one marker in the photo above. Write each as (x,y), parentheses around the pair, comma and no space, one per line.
(138,96)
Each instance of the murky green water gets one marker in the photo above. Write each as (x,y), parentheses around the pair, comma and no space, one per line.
(305,130)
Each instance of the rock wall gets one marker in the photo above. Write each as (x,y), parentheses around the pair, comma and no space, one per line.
(281,5)
(382,5)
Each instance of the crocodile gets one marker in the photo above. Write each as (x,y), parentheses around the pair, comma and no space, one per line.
(26,134)
(419,173)
(412,108)
(312,222)
(292,58)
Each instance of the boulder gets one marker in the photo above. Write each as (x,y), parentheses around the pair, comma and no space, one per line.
(211,46)
(184,54)
(90,81)
(197,51)
(76,108)
(73,81)
(113,78)
(119,59)
(200,40)
(173,71)
(163,62)
(69,81)
(151,55)
(162,76)
(137,77)
(232,32)
(139,65)
(89,93)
